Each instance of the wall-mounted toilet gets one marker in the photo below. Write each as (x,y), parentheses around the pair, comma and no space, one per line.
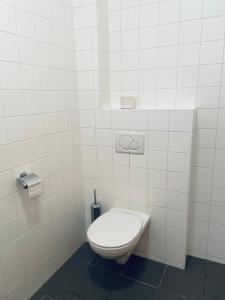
(115,234)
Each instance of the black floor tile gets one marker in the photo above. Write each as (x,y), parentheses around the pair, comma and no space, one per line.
(49,292)
(188,283)
(132,290)
(214,268)
(67,274)
(108,265)
(215,282)
(94,283)
(196,265)
(90,277)
(144,270)
(84,253)
(163,295)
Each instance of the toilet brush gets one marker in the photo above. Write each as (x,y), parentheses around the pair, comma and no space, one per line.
(95,208)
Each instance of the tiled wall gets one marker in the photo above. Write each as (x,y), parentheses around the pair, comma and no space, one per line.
(39,132)
(156,182)
(170,54)
(172,59)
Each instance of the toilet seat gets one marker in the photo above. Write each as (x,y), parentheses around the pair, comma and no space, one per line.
(115,230)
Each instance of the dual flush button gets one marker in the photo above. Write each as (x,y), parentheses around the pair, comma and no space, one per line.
(129,143)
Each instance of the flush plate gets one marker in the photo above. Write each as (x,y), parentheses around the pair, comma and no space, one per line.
(129,143)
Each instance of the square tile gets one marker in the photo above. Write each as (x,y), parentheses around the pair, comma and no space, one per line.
(67,274)
(189,282)
(144,270)
(108,265)
(49,292)
(84,253)
(164,295)
(215,278)
(132,290)
(94,283)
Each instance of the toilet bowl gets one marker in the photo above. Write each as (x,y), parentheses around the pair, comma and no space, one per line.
(115,234)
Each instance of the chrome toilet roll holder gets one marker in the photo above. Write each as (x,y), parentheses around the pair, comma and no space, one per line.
(28,180)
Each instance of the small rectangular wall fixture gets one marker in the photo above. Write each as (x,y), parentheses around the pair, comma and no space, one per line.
(28,180)
(31,183)
(129,143)
(127,102)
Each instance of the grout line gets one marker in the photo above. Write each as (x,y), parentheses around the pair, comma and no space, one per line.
(178,54)
(135,280)
(161,281)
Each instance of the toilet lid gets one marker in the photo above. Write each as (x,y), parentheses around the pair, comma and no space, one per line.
(114,229)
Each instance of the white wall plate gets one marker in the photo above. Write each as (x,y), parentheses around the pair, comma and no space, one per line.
(129,142)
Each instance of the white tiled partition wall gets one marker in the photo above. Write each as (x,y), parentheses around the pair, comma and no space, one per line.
(170,54)
(39,132)
(156,183)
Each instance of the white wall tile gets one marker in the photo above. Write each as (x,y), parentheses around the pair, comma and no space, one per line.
(178,162)
(178,182)
(120,120)
(176,200)
(169,12)
(216,249)
(217,215)
(17,129)
(8,22)
(190,31)
(158,160)
(139,120)
(159,120)
(158,140)
(181,121)
(168,34)
(213,8)
(213,28)
(218,178)
(217,197)
(191,9)
(157,197)
(138,176)
(149,15)
(157,179)
(158,214)
(176,219)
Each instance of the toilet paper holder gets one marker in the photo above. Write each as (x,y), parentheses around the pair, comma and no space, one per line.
(28,180)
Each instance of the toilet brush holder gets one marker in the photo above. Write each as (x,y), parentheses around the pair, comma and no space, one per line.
(95,209)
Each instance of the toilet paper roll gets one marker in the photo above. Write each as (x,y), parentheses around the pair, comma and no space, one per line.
(34,191)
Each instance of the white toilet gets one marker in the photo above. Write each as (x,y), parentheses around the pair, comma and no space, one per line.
(115,234)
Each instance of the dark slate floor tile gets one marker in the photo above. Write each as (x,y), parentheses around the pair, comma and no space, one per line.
(132,290)
(215,282)
(108,265)
(94,283)
(84,253)
(164,295)
(189,282)
(214,268)
(67,274)
(49,292)
(144,270)
(196,265)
